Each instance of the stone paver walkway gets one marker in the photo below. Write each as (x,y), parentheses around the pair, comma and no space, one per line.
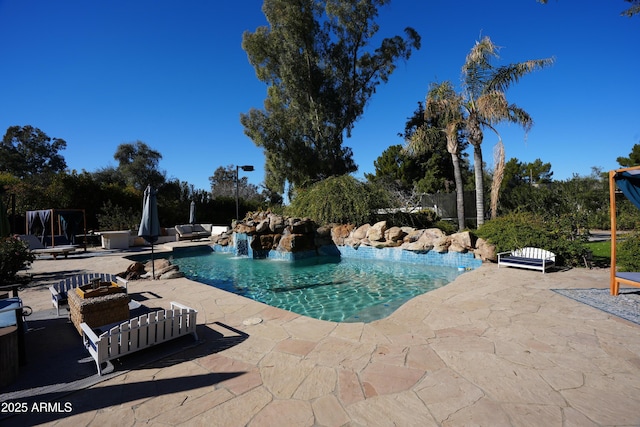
(496,347)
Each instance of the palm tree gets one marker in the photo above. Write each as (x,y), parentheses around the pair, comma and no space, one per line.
(443,114)
(444,106)
(484,88)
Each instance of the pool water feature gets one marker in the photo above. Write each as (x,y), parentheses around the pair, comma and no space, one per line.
(326,288)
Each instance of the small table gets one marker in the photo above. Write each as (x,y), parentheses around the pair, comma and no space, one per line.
(115,239)
(99,310)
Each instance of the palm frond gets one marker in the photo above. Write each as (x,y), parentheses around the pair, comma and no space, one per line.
(493,106)
(504,76)
(421,140)
(633,9)
(477,68)
(520,117)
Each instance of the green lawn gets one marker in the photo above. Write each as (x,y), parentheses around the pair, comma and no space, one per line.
(601,253)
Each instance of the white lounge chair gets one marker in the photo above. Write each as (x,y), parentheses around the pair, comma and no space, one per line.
(39,249)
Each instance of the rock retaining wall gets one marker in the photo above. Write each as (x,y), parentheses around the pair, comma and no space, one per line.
(275,236)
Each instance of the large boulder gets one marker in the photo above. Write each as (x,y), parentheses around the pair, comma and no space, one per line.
(376,232)
(173,274)
(413,236)
(325,230)
(158,264)
(394,234)
(263,226)
(265,242)
(243,228)
(276,223)
(427,240)
(417,246)
(441,244)
(432,234)
(340,232)
(295,243)
(303,226)
(222,240)
(457,247)
(133,272)
(159,272)
(485,251)
(462,239)
(323,235)
(360,232)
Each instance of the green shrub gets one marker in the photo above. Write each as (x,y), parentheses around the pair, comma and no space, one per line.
(627,253)
(519,230)
(14,256)
(421,219)
(115,217)
(447,227)
(342,199)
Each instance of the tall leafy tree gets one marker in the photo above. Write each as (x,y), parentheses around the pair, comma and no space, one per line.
(533,173)
(318,60)
(424,173)
(138,163)
(523,180)
(484,87)
(26,152)
(394,167)
(223,184)
(632,160)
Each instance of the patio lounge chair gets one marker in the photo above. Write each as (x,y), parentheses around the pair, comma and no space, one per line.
(192,232)
(39,249)
(531,258)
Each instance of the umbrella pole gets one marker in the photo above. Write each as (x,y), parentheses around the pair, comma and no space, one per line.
(153,265)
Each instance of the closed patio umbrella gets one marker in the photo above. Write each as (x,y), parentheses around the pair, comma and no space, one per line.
(192,213)
(149,225)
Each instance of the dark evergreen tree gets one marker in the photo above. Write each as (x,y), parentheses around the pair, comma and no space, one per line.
(317,58)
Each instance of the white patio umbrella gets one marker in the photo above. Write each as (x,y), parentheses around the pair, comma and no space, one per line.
(149,225)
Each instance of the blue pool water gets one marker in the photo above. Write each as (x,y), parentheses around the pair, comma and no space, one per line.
(327,288)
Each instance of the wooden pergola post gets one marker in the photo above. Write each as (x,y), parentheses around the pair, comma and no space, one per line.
(631,279)
(614,285)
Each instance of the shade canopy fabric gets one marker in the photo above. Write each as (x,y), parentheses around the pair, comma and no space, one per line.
(46,223)
(628,182)
(71,222)
(149,225)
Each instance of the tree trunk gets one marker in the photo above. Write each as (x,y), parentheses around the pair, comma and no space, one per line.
(498,175)
(457,173)
(477,167)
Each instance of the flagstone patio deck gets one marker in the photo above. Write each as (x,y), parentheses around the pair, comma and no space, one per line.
(496,347)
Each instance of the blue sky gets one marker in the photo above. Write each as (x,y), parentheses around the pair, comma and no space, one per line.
(173,75)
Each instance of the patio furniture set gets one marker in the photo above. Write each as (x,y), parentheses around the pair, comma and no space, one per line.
(99,308)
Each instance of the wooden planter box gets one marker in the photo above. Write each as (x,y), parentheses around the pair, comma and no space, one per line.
(105,288)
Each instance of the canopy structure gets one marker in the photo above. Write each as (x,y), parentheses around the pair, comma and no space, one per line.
(66,224)
(628,181)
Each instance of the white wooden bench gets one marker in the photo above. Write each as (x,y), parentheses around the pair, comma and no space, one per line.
(60,289)
(531,258)
(138,333)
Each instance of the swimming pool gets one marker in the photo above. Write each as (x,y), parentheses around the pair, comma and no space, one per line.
(326,288)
